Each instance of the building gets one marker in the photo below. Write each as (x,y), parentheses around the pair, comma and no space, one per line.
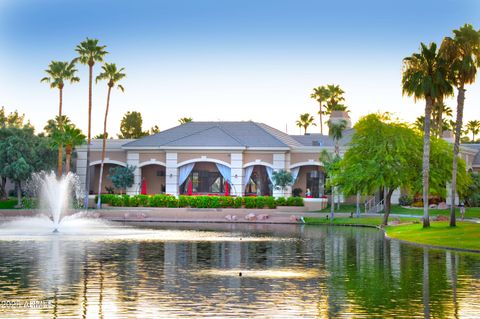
(200,157)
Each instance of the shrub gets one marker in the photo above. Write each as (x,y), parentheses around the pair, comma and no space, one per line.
(260,202)
(281,201)
(405,200)
(270,201)
(226,201)
(27,203)
(142,200)
(238,202)
(295,201)
(182,201)
(117,201)
(250,202)
(297,192)
(192,201)
(417,204)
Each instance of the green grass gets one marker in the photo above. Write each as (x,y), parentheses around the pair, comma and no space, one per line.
(8,204)
(369,221)
(466,235)
(470,212)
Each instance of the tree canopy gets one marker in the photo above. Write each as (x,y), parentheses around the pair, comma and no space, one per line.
(131,126)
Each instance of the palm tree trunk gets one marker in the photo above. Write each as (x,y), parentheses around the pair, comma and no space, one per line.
(357,211)
(19,194)
(87,171)
(332,206)
(68,156)
(3,191)
(321,121)
(60,127)
(305,130)
(426,161)
(440,119)
(99,200)
(456,150)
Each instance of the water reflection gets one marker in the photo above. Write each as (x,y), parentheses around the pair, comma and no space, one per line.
(321,272)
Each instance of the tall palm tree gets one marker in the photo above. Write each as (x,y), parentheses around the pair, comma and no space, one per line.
(424,77)
(474,127)
(463,55)
(439,111)
(320,94)
(89,52)
(305,121)
(60,72)
(113,76)
(70,136)
(54,124)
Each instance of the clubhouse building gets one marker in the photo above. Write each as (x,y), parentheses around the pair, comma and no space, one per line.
(235,158)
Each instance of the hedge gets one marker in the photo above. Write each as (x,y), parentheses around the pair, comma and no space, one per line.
(161,200)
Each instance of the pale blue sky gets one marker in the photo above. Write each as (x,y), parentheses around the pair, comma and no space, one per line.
(224,60)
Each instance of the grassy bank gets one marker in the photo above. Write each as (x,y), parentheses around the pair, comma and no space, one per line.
(8,204)
(470,212)
(466,235)
(369,221)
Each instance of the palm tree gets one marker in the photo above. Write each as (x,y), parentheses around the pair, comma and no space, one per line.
(89,52)
(336,132)
(184,120)
(439,111)
(113,76)
(424,77)
(60,72)
(474,127)
(320,94)
(305,121)
(462,53)
(53,124)
(70,136)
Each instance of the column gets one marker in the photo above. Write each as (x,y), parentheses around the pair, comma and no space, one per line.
(396,196)
(171,174)
(82,168)
(279,163)
(133,159)
(236,164)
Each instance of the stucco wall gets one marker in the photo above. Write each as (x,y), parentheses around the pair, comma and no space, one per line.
(158,156)
(253,156)
(303,157)
(106,182)
(155,183)
(225,157)
(120,156)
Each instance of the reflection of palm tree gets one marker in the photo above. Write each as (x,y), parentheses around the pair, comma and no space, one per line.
(426,284)
(113,76)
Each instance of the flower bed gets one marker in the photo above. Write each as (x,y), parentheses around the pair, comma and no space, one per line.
(161,200)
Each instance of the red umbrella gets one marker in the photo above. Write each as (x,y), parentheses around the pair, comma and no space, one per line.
(144,187)
(227,189)
(190,187)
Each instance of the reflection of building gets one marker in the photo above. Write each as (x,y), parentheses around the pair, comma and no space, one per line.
(237,158)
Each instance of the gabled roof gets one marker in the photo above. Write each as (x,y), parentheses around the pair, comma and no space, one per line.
(320,140)
(473,147)
(217,134)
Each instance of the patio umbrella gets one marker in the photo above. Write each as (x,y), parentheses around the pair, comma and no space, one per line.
(227,189)
(144,187)
(190,187)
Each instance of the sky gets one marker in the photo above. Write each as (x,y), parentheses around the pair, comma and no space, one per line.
(228,60)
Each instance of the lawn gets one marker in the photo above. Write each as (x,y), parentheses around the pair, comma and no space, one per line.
(466,235)
(370,221)
(470,212)
(8,204)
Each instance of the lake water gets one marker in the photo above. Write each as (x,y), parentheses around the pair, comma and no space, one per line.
(220,270)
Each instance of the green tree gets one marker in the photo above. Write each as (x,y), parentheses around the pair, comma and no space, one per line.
(336,132)
(131,126)
(112,75)
(58,73)
(282,179)
(462,53)
(89,52)
(154,129)
(320,94)
(184,120)
(331,165)
(53,124)
(424,77)
(122,177)
(335,97)
(473,127)
(305,121)
(13,119)
(100,136)
(21,154)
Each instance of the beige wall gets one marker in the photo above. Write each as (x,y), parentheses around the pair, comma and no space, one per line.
(159,156)
(155,184)
(303,157)
(120,156)
(301,181)
(225,157)
(252,157)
